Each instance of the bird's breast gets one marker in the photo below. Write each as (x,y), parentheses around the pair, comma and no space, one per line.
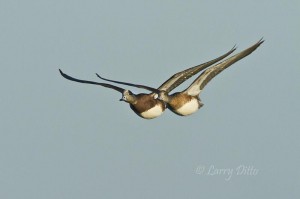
(153,112)
(189,107)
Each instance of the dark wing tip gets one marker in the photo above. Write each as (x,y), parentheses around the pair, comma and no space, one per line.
(67,76)
(131,84)
(258,43)
(99,76)
(104,78)
(261,41)
(234,48)
(63,74)
(121,90)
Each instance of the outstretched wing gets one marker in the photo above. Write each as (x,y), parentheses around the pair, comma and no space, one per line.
(197,86)
(121,90)
(182,76)
(130,84)
(176,79)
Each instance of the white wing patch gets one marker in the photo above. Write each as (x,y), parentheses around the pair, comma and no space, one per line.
(194,90)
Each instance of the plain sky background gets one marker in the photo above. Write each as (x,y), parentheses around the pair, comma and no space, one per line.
(61,139)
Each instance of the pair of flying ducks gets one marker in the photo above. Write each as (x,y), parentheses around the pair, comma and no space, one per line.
(186,102)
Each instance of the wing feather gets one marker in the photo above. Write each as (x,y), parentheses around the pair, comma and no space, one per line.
(184,75)
(198,85)
(121,90)
(130,84)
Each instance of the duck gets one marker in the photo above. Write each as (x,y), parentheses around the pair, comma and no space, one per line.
(147,105)
(188,101)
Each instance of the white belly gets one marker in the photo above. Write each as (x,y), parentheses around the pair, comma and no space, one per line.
(153,112)
(189,108)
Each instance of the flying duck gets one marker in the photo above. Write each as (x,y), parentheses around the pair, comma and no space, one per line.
(148,106)
(144,105)
(188,101)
